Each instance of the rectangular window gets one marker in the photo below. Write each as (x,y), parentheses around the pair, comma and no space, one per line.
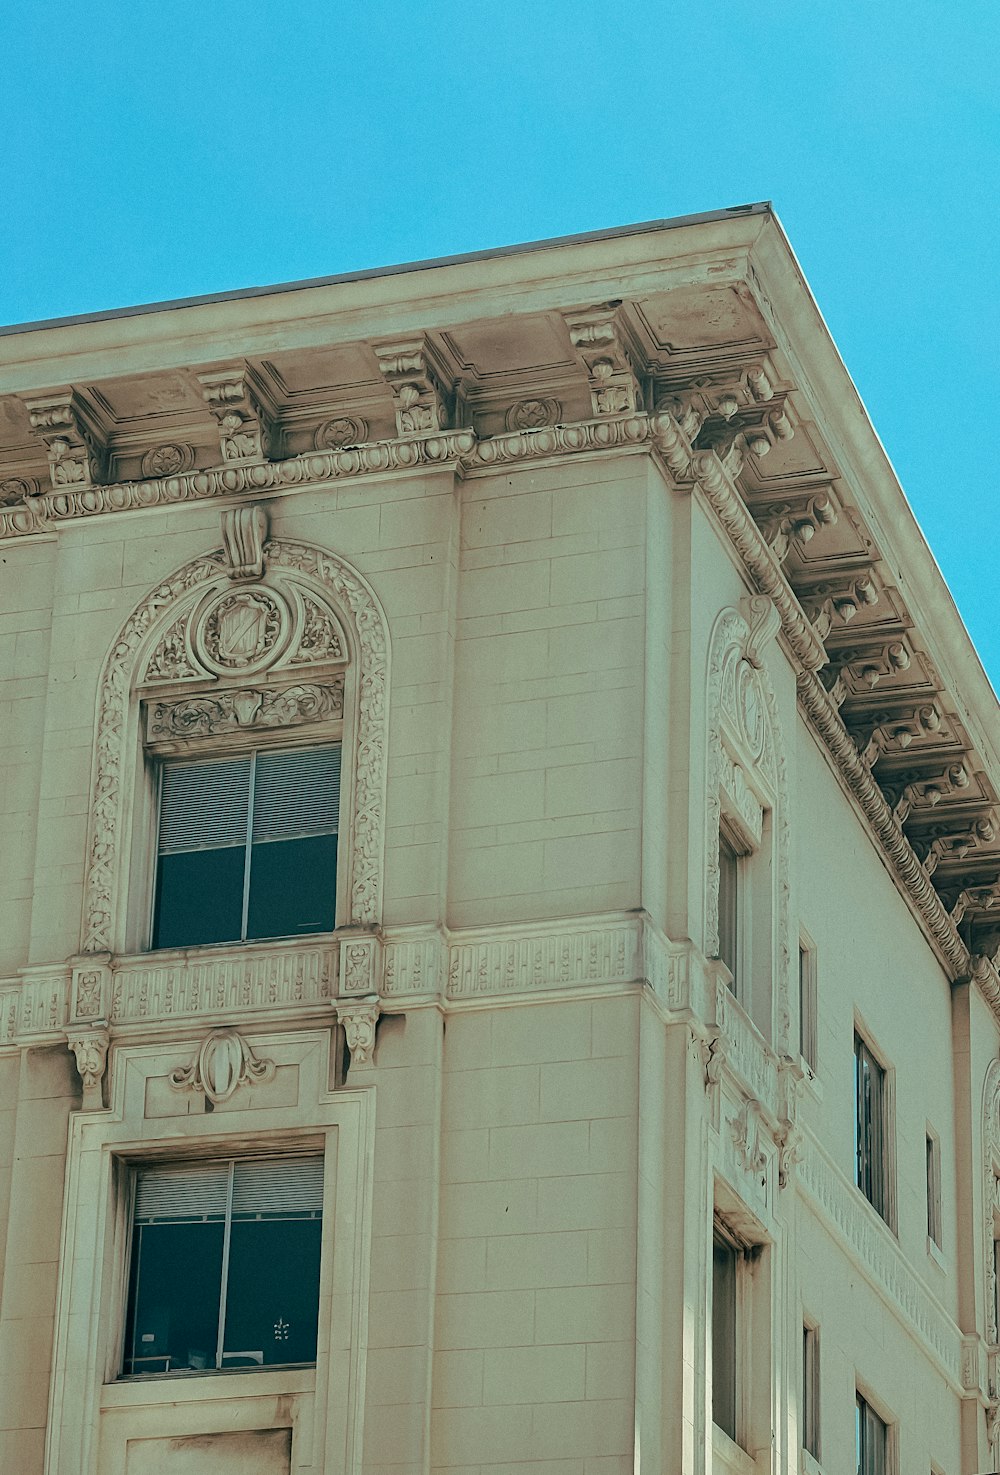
(224,1268)
(729,908)
(808,1023)
(933,1159)
(725,1292)
(247,847)
(871,1440)
(870,1128)
(810,1390)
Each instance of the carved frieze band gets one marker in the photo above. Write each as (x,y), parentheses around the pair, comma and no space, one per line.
(874,1249)
(244,707)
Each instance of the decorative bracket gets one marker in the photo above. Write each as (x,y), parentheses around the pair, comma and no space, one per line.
(416,377)
(77,457)
(761,615)
(840,601)
(599,337)
(861,670)
(244,533)
(358,1018)
(223,1064)
(248,430)
(90,1046)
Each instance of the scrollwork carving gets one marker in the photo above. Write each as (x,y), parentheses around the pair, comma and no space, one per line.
(223,1064)
(247,707)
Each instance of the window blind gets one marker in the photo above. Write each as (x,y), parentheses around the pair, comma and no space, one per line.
(204,805)
(289,1186)
(197,1191)
(296,793)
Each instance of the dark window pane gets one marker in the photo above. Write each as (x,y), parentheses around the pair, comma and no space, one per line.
(724,1337)
(173,1310)
(293,886)
(199,897)
(272,1305)
(728,907)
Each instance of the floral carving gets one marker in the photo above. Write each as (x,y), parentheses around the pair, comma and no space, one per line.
(370,641)
(167,460)
(223,1064)
(88,994)
(230,711)
(170,660)
(321,638)
(533,414)
(337,435)
(16,489)
(744,1130)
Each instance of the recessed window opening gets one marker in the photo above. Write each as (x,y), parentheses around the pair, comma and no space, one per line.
(224,1267)
(247,847)
(871,1128)
(808,1002)
(933,1164)
(810,1390)
(730,905)
(871,1439)
(725,1334)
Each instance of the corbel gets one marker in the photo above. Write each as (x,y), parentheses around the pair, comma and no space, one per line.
(602,342)
(978,899)
(841,601)
(416,375)
(908,792)
(954,844)
(785,525)
(358,1018)
(788,1136)
(244,533)
(246,415)
(862,669)
(90,1048)
(76,452)
(894,731)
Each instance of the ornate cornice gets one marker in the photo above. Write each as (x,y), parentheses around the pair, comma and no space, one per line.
(826,720)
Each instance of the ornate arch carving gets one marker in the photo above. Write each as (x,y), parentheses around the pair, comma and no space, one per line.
(155,627)
(746,757)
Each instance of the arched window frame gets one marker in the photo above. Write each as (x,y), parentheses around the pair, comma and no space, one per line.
(117,888)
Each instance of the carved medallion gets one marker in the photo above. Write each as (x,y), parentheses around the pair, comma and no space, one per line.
(167,460)
(335,435)
(242,630)
(223,1064)
(16,489)
(533,414)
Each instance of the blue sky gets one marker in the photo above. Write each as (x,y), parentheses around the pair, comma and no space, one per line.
(156,151)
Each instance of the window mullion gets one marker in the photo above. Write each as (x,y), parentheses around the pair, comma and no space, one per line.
(249,849)
(227,1232)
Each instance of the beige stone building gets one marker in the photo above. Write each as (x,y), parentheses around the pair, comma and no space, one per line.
(499,884)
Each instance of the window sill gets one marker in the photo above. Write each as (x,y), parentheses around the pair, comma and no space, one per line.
(193,1387)
(728,1457)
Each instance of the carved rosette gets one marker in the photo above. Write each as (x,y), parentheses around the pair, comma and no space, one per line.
(533,414)
(358,1019)
(339,434)
(223,1064)
(168,460)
